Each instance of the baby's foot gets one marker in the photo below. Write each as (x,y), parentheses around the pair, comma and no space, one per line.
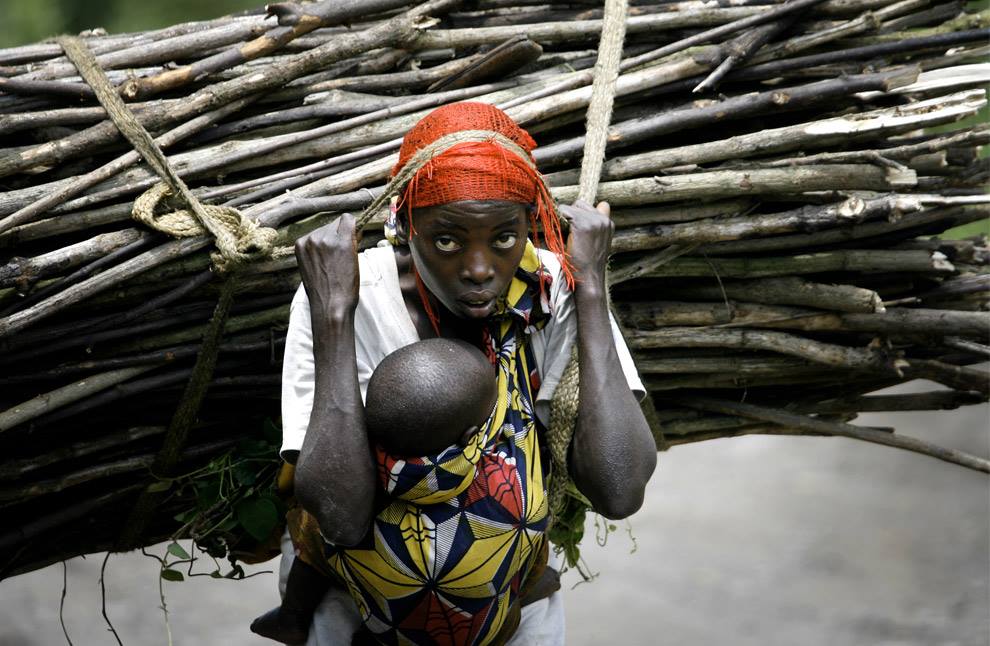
(282,626)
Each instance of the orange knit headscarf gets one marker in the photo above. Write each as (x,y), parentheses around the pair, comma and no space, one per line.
(479,170)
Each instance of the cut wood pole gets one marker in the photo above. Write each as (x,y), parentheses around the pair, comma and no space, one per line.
(50,401)
(739,107)
(397,30)
(294,20)
(940,323)
(743,47)
(836,428)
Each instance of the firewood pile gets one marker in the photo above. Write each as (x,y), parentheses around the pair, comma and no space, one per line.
(779,174)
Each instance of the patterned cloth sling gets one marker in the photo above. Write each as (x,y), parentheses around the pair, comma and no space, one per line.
(448,553)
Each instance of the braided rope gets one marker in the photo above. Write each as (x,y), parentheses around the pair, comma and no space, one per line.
(564,405)
(238,238)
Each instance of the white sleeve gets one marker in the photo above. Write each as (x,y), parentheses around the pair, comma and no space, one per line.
(299,374)
(560,334)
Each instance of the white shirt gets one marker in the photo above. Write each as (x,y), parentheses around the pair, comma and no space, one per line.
(382,325)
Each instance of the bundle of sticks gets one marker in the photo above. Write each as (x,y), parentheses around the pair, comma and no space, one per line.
(778,175)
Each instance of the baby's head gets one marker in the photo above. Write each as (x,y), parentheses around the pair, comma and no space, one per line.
(429,395)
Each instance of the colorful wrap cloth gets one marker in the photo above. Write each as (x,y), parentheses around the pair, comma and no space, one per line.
(447,556)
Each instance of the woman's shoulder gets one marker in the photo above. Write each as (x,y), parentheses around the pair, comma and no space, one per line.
(378,280)
(550,261)
(559,291)
(375,263)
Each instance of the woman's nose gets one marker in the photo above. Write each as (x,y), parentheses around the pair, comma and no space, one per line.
(478,268)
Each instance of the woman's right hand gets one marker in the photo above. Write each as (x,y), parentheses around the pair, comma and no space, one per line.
(328,263)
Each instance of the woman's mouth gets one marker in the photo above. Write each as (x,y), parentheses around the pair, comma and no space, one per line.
(478,304)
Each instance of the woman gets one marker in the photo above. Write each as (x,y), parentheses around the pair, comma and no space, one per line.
(461,266)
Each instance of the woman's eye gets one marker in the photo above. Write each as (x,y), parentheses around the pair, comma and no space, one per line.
(443,243)
(505,241)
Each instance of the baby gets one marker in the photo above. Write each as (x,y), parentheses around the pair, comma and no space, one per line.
(421,399)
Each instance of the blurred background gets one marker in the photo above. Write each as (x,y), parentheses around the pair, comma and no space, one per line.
(746,541)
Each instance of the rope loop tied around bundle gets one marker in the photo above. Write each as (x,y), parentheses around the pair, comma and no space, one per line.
(424,155)
(238,238)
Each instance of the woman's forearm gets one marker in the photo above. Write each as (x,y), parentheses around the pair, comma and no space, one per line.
(612,453)
(335,473)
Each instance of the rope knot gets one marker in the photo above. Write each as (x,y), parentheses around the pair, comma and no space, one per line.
(238,238)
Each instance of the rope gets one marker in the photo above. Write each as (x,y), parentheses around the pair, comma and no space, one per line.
(182,421)
(238,238)
(602,97)
(427,153)
(564,405)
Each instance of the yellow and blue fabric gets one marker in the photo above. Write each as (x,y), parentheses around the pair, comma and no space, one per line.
(446,556)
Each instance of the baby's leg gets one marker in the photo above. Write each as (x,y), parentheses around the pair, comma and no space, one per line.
(289,623)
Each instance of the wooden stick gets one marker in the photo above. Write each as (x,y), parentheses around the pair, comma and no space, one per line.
(933,322)
(65,395)
(692,116)
(395,31)
(817,351)
(806,219)
(577,30)
(294,20)
(103,261)
(858,260)
(742,47)
(710,35)
(153,51)
(913,222)
(28,491)
(16,469)
(74,187)
(958,377)
(714,185)
(934,400)
(837,428)
(24,271)
(804,136)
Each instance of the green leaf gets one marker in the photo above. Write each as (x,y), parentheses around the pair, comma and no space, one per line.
(258,516)
(159,485)
(177,550)
(185,516)
(207,493)
(172,575)
(245,473)
(227,525)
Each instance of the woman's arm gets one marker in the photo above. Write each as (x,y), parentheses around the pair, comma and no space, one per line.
(335,473)
(612,453)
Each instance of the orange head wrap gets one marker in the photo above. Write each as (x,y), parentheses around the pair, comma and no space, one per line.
(485,169)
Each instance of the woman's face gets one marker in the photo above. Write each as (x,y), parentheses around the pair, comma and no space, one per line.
(467,252)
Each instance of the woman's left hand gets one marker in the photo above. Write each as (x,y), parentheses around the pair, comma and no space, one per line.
(589,241)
